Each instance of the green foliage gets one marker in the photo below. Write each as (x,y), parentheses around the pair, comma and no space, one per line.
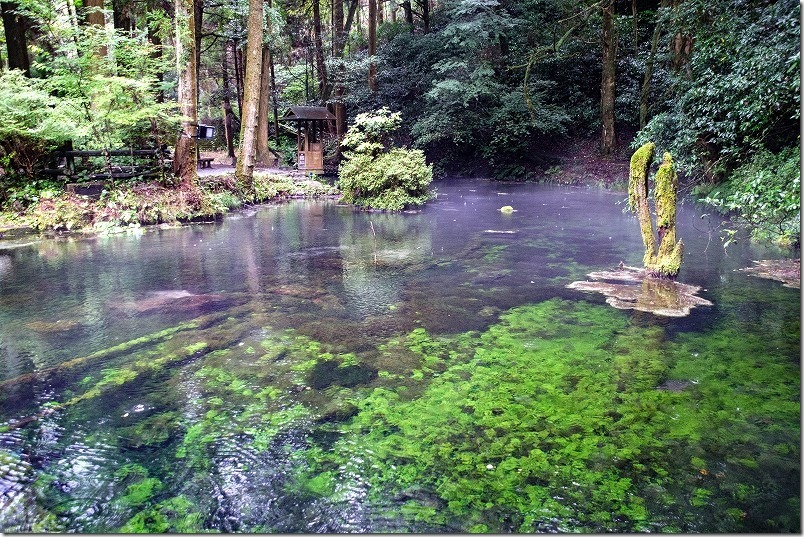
(765,193)
(174,515)
(32,122)
(461,87)
(373,176)
(739,92)
(369,133)
(473,106)
(97,101)
(66,212)
(114,96)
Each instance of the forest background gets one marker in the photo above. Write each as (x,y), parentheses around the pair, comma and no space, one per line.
(492,87)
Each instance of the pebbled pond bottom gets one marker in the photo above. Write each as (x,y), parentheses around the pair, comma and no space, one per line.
(306,368)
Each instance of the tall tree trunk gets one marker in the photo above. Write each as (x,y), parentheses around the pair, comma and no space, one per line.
(228,115)
(263,154)
(156,40)
(121,15)
(198,13)
(339,42)
(408,10)
(274,101)
(14,26)
(94,17)
(237,58)
(380,12)
(372,43)
(644,93)
(608,140)
(248,147)
(318,43)
(93,13)
(185,158)
(425,5)
(347,27)
(337,28)
(275,104)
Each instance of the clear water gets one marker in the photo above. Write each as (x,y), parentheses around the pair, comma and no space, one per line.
(225,376)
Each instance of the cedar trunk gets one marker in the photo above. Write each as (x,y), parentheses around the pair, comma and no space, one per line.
(372,43)
(318,43)
(644,93)
(14,27)
(228,114)
(425,5)
(185,158)
(263,154)
(248,147)
(337,51)
(122,16)
(608,141)
(95,17)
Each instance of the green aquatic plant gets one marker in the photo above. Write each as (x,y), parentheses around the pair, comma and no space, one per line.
(174,515)
(151,431)
(558,416)
(560,413)
(140,492)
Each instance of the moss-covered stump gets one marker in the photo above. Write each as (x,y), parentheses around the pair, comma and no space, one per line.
(664,262)
(636,289)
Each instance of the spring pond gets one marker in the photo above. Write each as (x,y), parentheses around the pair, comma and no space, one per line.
(304,367)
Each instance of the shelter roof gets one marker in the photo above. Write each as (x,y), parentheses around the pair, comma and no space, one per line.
(308,112)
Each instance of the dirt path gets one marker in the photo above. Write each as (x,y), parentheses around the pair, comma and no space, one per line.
(221,166)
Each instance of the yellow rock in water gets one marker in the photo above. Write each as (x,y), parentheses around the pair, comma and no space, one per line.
(507,209)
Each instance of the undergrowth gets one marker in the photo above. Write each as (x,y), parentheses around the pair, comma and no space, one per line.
(133,205)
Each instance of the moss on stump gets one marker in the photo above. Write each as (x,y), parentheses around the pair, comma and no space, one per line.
(666,261)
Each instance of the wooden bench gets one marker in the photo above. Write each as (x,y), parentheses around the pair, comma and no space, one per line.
(205,162)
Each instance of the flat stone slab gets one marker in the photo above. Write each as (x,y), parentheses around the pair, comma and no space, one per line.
(787,271)
(632,288)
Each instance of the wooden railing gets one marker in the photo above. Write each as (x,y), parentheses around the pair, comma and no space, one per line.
(142,163)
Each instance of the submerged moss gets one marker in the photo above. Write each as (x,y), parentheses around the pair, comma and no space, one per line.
(556,414)
(175,515)
(561,416)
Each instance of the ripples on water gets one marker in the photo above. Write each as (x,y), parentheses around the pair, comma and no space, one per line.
(296,314)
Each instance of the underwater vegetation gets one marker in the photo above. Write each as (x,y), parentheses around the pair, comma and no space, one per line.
(562,416)
(402,387)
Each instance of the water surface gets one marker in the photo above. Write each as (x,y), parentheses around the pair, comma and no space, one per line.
(305,367)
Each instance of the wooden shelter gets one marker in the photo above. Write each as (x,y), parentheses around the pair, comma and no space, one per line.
(311,124)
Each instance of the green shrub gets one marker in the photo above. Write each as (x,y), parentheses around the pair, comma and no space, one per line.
(376,177)
(766,194)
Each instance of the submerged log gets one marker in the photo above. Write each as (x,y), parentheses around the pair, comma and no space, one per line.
(787,271)
(636,289)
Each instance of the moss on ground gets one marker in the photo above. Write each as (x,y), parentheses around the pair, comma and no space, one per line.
(128,206)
